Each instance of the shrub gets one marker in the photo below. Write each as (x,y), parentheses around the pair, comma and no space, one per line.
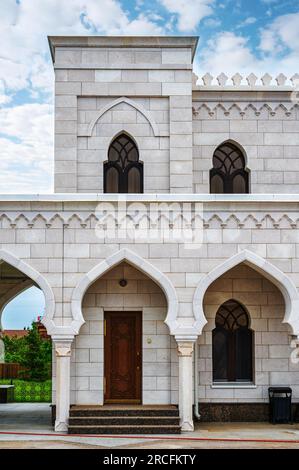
(32,352)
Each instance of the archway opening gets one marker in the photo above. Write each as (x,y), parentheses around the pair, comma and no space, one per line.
(24,309)
(125,332)
(26,351)
(261,307)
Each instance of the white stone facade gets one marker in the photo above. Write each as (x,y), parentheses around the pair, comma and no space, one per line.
(249,246)
(266,129)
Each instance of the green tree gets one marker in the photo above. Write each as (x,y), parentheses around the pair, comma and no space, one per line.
(38,353)
(14,348)
(32,352)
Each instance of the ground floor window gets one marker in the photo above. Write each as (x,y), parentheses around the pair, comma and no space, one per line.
(232,344)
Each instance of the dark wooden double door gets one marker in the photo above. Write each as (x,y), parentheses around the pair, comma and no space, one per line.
(123,357)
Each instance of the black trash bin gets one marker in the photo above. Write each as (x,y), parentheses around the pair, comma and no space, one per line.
(280,399)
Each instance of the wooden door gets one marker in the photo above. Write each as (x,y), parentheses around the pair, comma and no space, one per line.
(123,357)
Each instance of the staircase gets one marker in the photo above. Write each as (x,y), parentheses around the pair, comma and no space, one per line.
(126,419)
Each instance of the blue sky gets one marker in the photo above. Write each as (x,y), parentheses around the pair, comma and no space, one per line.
(23,309)
(235,36)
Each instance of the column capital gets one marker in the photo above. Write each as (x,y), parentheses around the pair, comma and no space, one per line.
(63,345)
(185,348)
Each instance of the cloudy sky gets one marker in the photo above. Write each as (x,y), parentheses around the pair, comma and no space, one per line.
(235,36)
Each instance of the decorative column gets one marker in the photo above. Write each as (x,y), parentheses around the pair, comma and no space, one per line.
(63,351)
(185,352)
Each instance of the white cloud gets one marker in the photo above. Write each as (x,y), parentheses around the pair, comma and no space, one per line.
(4,99)
(24,56)
(212,22)
(230,53)
(282,33)
(26,132)
(189,12)
(227,53)
(142,26)
(26,155)
(248,21)
(27,122)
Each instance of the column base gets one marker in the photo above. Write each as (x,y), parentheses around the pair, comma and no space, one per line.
(60,427)
(187,426)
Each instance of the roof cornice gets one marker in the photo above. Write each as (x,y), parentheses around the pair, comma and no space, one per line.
(123,41)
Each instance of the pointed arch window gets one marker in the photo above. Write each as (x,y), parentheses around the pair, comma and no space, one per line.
(229,173)
(123,172)
(232,341)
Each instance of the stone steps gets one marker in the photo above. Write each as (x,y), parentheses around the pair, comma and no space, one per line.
(124,429)
(124,420)
(131,420)
(122,411)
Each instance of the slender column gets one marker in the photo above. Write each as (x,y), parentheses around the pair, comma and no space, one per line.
(63,352)
(185,352)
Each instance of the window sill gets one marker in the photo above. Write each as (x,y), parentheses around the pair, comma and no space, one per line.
(233,385)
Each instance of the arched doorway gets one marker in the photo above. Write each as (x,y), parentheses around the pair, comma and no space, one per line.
(123,352)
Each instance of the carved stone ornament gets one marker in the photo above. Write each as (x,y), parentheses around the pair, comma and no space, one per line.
(185,348)
(252,79)
(63,351)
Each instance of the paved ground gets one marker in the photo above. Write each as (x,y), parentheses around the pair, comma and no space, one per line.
(35,418)
(25,417)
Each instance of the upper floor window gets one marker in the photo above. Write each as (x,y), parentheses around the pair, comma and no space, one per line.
(229,174)
(123,172)
(232,341)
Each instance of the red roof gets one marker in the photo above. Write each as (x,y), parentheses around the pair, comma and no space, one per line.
(18,333)
(21,333)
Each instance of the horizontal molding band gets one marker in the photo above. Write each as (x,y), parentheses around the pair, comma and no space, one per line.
(90,197)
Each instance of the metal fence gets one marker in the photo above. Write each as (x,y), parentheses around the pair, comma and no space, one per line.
(10,370)
(29,391)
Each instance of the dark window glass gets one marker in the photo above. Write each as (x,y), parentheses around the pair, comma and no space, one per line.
(239,184)
(228,174)
(112,180)
(123,172)
(218,184)
(232,344)
(134,180)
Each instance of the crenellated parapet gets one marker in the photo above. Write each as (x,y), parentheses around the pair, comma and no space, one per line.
(251,81)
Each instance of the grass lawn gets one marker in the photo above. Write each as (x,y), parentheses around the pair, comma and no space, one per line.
(29,391)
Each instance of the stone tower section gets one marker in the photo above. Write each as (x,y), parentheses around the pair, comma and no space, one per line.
(138,85)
